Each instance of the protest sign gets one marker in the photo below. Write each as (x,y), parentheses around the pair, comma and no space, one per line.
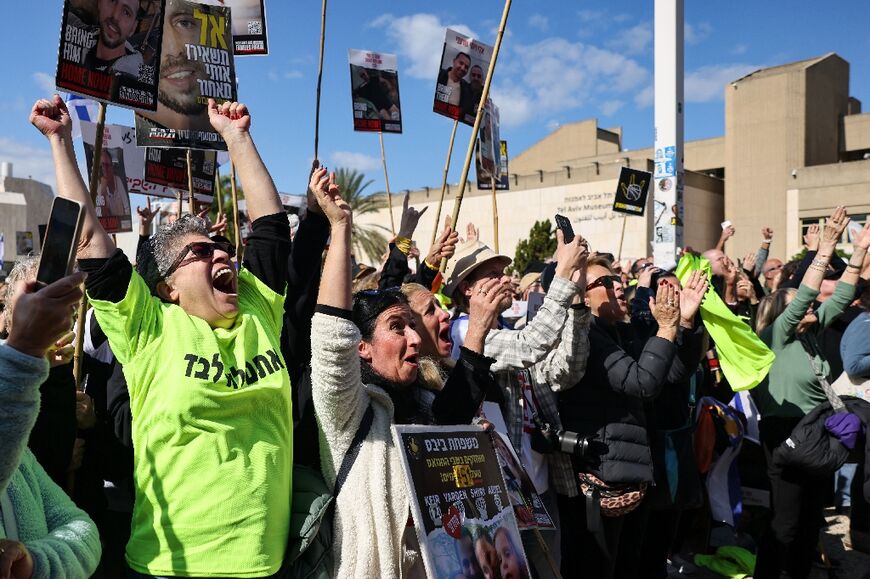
(528,507)
(197,64)
(502,183)
(488,160)
(459,502)
(632,191)
(464,62)
(110,51)
(374,81)
(120,163)
(249,25)
(169,167)
(24,242)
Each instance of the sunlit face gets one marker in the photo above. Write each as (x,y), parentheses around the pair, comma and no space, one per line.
(461,62)
(433,325)
(509,563)
(487,558)
(206,288)
(394,349)
(771,268)
(117,21)
(717,261)
(607,303)
(493,269)
(178,88)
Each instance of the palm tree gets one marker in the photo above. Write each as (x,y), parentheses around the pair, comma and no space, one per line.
(367,239)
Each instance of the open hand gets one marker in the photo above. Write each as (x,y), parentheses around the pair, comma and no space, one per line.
(336,209)
(51,117)
(665,307)
(229,119)
(692,296)
(862,239)
(472,233)
(749,263)
(835,225)
(485,304)
(812,237)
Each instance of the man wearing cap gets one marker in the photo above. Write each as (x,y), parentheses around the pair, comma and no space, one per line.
(550,350)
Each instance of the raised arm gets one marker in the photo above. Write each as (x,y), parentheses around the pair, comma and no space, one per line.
(763,251)
(233,122)
(52,119)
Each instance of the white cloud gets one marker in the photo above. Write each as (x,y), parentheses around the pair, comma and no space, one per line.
(739,49)
(695,33)
(419,38)
(27,160)
(646,96)
(286,75)
(553,124)
(555,75)
(45,82)
(358,161)
(708,82)
(609,108)
(633,41)
(539,21)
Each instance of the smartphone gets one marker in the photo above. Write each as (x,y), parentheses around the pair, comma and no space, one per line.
(564,224)
(61,238)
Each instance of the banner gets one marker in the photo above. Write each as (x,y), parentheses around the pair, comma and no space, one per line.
(459,502)
(503,182)
(110,51)
(249,25)
(169,167)
(113,191)
(488,153)
(374,83)
(197,64)
(632,191)
(464,62)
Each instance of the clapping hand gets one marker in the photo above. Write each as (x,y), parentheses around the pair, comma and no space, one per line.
(692,297)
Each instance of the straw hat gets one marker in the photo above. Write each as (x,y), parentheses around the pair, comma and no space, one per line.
(527,280)
(467,258)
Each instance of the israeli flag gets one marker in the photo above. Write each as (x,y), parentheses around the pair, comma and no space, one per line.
(81,109)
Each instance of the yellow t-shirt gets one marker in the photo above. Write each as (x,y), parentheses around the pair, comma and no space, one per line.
(212,433)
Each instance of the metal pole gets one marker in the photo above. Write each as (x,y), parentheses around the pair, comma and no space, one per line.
(474,130)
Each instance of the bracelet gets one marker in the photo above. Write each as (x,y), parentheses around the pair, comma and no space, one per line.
(430,266)
(858,267)
(767,241)
(403,244)
(820,263)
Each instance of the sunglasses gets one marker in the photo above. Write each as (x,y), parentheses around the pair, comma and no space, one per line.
(606,281)
(200,250)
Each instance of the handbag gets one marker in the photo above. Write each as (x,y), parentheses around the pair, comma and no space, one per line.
(614,500)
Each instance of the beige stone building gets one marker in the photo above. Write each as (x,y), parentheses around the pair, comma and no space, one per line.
(25,204)
(795,146)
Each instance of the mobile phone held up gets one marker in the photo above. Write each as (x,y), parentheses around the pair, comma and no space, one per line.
(61,239)
(564,224)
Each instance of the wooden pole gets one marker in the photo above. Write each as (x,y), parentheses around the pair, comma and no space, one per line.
(444,181)
(235,200)
(319,79)
(219,193)
(96,166)
(179,200)
(621,237)
(387,185)
(190,183)
(476,128)
(494,211)
(550,561)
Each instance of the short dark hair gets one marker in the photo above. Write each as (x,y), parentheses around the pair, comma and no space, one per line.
(368,305)
(465,54)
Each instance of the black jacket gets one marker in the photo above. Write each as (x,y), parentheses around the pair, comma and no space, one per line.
(607,405)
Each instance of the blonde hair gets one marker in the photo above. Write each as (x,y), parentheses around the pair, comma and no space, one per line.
(412,289)
(24,270)
(771,306)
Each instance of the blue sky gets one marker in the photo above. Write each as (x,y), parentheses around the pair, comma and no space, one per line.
(561,61)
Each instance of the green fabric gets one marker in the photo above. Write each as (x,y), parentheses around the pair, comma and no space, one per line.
(212,433)
(744,358)
(792,389)
(729,561)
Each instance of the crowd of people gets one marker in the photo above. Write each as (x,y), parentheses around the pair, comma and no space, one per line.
(209,380)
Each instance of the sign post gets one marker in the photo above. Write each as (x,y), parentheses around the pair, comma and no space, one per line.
(668,218)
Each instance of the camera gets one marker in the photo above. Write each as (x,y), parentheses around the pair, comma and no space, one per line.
(547,440)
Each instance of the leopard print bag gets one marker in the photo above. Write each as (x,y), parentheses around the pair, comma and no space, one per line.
(616,499)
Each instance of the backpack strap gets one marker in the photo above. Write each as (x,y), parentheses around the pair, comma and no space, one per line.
(353,450)
(836,403)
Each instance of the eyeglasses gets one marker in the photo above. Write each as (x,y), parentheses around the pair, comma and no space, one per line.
(606,281)
(200,250)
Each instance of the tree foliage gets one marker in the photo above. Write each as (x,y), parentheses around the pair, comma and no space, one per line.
(540,245)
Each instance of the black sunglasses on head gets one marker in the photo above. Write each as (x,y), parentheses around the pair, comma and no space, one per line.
(200,250)
(605,280)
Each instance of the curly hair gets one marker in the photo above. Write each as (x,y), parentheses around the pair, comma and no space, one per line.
(157,255)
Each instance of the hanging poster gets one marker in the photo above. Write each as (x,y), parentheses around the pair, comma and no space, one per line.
(374,83)
(464,63)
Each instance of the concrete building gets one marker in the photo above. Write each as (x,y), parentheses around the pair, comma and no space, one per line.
(25,204)
(795,146)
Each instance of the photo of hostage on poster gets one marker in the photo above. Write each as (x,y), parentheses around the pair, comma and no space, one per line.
(249,25)
(196,64)
(112,200)
(168,167)
(110,51)
(462,515)
(464,62)
(488,153)
(374,83)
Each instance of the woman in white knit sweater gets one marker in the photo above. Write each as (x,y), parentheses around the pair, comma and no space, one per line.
(372,334)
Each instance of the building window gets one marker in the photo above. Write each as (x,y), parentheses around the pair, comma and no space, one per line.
(845,242)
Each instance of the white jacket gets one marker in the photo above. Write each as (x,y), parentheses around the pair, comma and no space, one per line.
(372,533)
